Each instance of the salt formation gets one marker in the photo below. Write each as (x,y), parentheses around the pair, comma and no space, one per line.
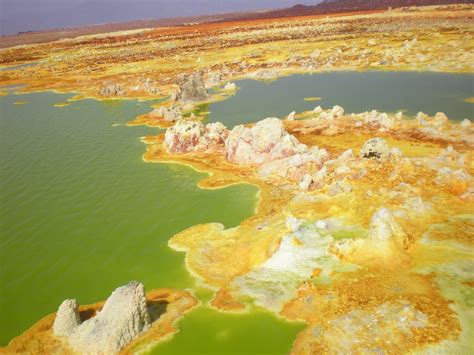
(265,141)
(123,317)
(188,136)
(375,148)
(67,318)
(112,90)
(172,113)
(191,88)
(213,79)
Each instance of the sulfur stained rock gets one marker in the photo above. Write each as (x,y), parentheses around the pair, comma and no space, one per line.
(184,136)
(375,148)
(188,136)
(67,318)
(123,317)
(230,87)
(384,228)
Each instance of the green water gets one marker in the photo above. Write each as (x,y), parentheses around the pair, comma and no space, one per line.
(206,332)
(357,92)
(82,214)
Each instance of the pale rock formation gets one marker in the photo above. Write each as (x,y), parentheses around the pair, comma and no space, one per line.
(191,88)
(386,240)
(184,136)
(215,135)
(399,116)
(67,318)
(318,109)
(255,145)
(171,114)
(384,228)
(375,148)
(319,177)
(465,123)
(266,74)
(306,182)
(337,111)
(123,317)
(230,86)
(291,116)
(213,79)
(386,121)
(315,54)
(274,150)
(440,119)
(188,136)
(112,90)
(150,87)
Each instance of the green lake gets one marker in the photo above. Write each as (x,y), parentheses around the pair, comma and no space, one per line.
(82,214)
(357,92)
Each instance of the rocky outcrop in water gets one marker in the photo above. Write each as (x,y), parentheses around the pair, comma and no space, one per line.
(112,90)
(191,88)
(123,317)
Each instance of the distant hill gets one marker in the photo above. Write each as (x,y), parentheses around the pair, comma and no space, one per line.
(325,7)
(340,6)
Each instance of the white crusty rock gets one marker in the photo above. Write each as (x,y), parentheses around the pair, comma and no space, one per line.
(439,119)
(266,141)
(337,111)
(383,227)
(305,182)
(189,136)
(318,109)
(230,86)
(375,148)
(213,79)
(67,318)
(191,88)
(123,317)
(184,136)
(172,113)
(291,116)
(465,123)
(112,90)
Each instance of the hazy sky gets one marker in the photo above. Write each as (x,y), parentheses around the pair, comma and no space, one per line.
(30,15)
